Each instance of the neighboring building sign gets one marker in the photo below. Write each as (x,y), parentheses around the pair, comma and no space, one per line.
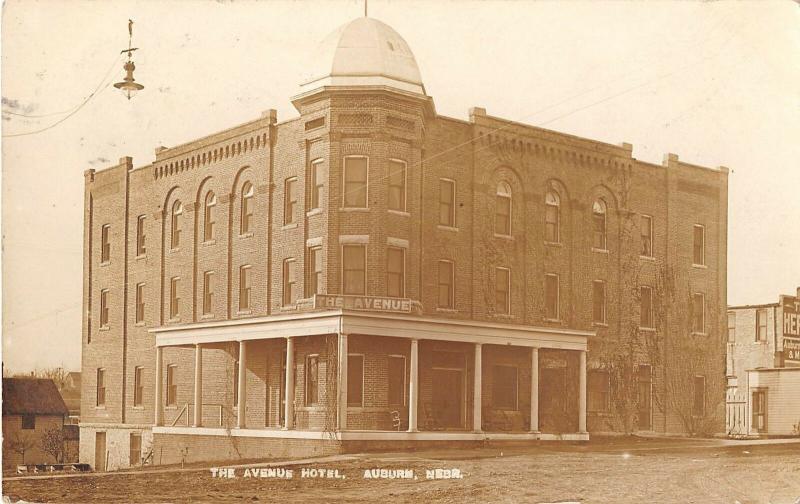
(791,329)
(364,303)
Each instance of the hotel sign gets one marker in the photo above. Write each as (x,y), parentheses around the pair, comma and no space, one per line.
(791,329)
(362,303)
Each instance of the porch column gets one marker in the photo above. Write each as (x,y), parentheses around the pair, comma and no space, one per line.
(240,409)
(477,386)
(159,419)
(534,389)
(341,384)
(289,392)
(413,387)
(582,394)
(198,386)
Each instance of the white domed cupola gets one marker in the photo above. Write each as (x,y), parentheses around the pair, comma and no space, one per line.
(364,52)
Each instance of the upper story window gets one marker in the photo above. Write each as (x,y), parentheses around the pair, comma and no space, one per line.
(246,225)
(761,324)
(314,271)
(354,269)
(599,225)
(698,313)
(174,298)
(139,303)
(599,302)
(699,245)
(105,249)
(29,421)
(396,272)
(289,282)
(100,399)
(502,216)
(208,292)
(646,229)
(552,217)
(140,236)
(208,216)
(397,185)
(244,288)
(446,284)
(355,181)
(289,200)
(646,314)
(175,225)
(447,202)
(317,183)
(551,297)
(731,327)
(104,308)
(502,291)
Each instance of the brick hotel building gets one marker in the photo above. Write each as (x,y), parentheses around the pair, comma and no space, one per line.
(372,274)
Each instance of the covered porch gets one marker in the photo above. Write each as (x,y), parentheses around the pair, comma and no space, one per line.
(361,376)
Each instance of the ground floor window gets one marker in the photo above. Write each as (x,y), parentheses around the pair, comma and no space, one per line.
(312,380)
(355,380)
(699,400)
(598,391)
(172,385)
(504,387)
(397,380)
(136,449)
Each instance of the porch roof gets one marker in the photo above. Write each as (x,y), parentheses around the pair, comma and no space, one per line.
(371,323)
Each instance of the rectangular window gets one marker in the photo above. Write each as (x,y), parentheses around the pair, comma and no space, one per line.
(759,406)
(136,449)
(105,249)
(551,297)
(140,236)
(598,388)
(502,291)
(138,386)
(317,184)
(208,292)
(172,385)
(355,380)
(314,271)
(699,249)
(397,380)
(289,296)
(446,283)
(761,324)
(504,387)
(599,302)
(699,402)
(447,202)
(244,288)
(100,399)
(104,308)
(28,422)
(646,307)
(174,298)
(289,200)
(139,303)
(397,185)
(396,272)
(646,226)
(355,182)
(731,327)
(354,269)
(312,380)
(698,314)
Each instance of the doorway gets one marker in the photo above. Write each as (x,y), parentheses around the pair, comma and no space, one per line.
(100,451)
(448,398)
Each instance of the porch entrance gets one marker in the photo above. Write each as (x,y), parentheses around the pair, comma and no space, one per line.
(448,398)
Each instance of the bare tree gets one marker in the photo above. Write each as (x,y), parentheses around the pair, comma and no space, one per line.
(21,442)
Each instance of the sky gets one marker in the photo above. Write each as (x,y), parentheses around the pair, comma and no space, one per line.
(717,83)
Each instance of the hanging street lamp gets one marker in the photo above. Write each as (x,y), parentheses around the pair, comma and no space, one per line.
(128,86)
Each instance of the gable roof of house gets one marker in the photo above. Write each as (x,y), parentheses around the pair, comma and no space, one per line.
(32,396)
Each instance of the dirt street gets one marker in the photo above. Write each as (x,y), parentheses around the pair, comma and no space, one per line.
(621,471)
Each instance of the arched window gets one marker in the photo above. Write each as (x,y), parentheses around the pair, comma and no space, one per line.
(247,208)
(208,216)
(175,225)
(502,218)
(599,224)
(552,217)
